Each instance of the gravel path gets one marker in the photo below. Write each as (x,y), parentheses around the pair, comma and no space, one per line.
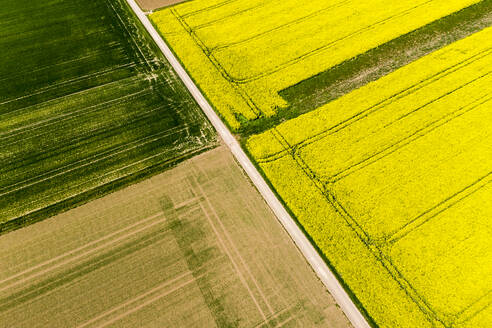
(307,249)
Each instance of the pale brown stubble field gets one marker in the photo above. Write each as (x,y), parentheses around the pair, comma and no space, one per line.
(154,4)
(195,246)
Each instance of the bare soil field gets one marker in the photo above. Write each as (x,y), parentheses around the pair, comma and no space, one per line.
(155,4)
(195,246)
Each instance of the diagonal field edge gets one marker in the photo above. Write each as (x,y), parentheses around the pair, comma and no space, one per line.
(304,245)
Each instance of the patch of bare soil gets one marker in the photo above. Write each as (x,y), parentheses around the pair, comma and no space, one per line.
(155,4)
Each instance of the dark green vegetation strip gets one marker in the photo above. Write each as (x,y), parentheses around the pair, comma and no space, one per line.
(87,104)
(372,65)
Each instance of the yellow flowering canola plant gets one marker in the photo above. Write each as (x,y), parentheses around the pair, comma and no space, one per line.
(393,183)
(241,53)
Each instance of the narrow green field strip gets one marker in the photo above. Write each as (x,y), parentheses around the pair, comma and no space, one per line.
(452,101)
(474,50)
(290,42)
(322,88)
(103,111)
(405,164)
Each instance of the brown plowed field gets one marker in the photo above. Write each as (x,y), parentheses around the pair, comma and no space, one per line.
(195,246)
(154,4)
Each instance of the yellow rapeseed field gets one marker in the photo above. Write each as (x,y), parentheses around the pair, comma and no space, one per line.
(393,183)
(243,52)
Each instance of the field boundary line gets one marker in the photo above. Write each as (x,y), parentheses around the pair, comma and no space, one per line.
(302,242)
(473,309)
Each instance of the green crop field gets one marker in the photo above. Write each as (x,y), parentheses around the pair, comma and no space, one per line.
(87,105)
(393,183)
